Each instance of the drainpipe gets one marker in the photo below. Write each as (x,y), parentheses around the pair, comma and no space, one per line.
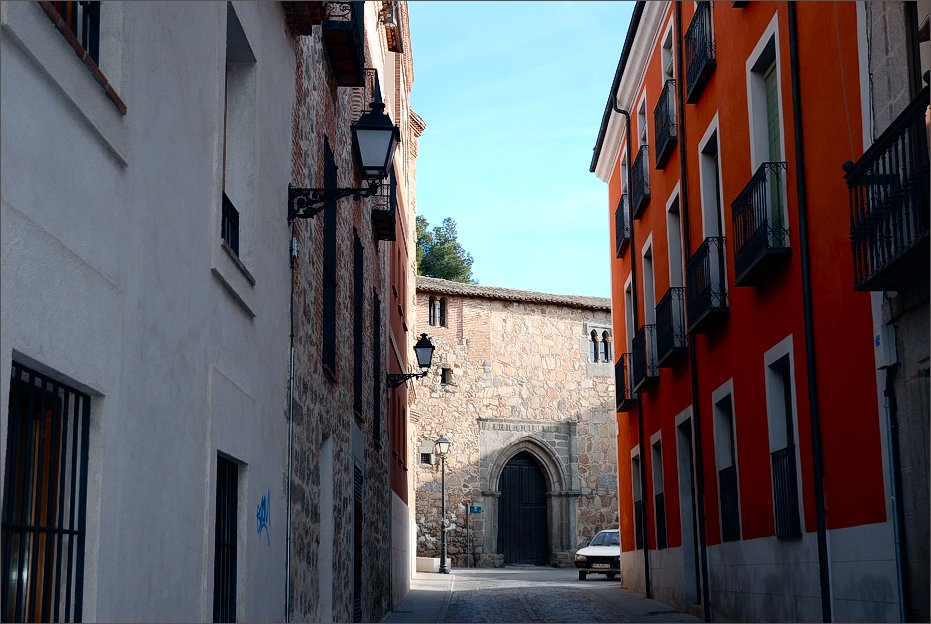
(693,355)
(647,575)
(292,253)
(824,565)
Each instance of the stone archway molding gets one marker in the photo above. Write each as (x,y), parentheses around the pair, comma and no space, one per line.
(553,469)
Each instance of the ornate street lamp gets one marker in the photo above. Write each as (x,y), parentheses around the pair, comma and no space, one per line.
(424,352)
(442,447)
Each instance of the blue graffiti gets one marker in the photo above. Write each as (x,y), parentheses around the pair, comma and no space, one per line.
(262,517)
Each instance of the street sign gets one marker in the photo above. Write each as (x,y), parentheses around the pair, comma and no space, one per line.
(475,509)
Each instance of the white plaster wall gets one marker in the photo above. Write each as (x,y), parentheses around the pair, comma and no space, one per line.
(401,556)
(109,236)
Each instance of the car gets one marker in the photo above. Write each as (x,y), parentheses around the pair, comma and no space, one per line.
(601,556)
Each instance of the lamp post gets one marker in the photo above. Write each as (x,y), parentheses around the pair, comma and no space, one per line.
(442,447)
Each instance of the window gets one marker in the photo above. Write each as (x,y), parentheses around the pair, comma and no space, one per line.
(376,365)
(638,498)
(446,376)
(605,347)
(426,458)
(239,131)
(431,310)
(328,352)
(358,499)
(674,242)
(44,500)
(225,541)
(726,456)
(667,56)
(629,312)
(649,284)
(593,346)
(780,408)
(358,309)
(709,177)
(642,120)
(659,503)
(442,312)
(83,20)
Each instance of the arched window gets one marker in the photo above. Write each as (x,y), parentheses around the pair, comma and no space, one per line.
(432,311)
(442,311)
(593,346)
(605,347)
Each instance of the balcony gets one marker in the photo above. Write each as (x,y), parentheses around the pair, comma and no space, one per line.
(889,203)
(664,118)
(385,211)
(622,225)
(645,370)
(640,181)
(343,38)
(706,288)
(670,328)
(785,493)
(626,397)
(699,52)
(761,228)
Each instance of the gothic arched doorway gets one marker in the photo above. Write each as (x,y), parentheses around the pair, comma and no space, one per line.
(522,531)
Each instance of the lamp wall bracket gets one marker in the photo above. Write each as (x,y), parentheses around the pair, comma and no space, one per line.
(305,203)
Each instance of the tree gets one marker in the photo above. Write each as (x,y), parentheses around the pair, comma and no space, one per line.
(439,253)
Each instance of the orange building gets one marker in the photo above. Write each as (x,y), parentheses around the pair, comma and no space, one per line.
(752,450)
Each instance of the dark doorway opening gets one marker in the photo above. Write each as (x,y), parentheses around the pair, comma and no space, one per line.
(522,534)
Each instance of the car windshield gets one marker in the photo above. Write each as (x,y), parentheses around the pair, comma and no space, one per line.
(606,538)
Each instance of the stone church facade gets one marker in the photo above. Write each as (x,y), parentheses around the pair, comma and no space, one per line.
(522,385)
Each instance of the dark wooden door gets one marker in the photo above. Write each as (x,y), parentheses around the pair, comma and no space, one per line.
(522,535)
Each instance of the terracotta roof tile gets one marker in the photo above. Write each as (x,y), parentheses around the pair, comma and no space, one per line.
(447,287)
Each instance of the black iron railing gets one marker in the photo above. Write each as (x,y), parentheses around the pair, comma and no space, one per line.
(706,287)
(670,326)
(343,39)
(385,210)
(623,388)
(638,524)
(622,225)
(664,117)
(730,505)
(889,203)
(660,521)
(229,224)
(640,181)
(761,226)
(699,51)
(643,346)
(785,493)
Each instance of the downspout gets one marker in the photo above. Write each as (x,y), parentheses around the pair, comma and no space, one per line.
(801,189)
(292,253)
(647,575)
(693,355)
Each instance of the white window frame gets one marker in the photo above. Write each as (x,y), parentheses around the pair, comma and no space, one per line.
(680,262)
(649,312)
(725,390)
(756,97)
(712,130)
(784,348)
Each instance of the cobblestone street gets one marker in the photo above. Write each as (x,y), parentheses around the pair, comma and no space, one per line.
(526,594)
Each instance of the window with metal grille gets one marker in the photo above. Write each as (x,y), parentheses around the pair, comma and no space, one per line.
(358,309)
(726,454)
(658,499)
(44,500)
(229,224)
(431,311)
(426,458)
(638,501)
(224,554)
(782,428)
(83,20)
(358,491)
(328,352)
(376,366)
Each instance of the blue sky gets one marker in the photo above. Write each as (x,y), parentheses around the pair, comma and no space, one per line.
(512,94)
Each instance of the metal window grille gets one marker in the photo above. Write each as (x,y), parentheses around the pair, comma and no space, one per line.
(640,181)
(376,366)
(645,369)
(328,352)
(626,397)
(785,493)
(224,554)
(44,500)
(425,458)
(664,117)
(431,311)
(358,308)
(760,224)
(706,290)
(442,311)
(83,19)
(660,521)
(229,224)
(730,507)
(358,491)
(670,326)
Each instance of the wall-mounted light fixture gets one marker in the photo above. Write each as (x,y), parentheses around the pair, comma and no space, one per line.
(374,138)
(424,351)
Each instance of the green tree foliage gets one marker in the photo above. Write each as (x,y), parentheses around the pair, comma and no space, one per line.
(439,253)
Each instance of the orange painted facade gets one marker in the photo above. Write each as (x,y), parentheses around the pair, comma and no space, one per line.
(757,318)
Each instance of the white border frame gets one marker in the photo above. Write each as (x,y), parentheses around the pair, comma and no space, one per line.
(770,34)
(726,390)
(673,196)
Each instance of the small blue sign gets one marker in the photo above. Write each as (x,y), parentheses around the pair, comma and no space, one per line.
(475,509)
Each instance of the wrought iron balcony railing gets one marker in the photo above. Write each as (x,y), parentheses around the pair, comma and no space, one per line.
(385,210)
(730,504)
(664,118)
(699,52)
(646,372)
(660,521)
(638,524)
(343,38)
(626,397)
(622,225)
(706,285)
(889,202)
(761,226)
(670,327)
(785,493)
(640,181)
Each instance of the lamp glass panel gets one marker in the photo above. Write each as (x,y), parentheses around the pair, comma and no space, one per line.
(376,146)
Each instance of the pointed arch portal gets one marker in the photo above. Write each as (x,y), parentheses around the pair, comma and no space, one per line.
(522,512)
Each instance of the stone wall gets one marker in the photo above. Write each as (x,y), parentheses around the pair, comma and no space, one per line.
(519,379)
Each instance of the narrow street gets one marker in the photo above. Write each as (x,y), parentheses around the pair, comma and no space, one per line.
(526,594)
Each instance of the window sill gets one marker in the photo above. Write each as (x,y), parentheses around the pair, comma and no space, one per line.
(239,264)
(234,275)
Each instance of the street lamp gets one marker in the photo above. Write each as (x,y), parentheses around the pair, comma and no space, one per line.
(442,447)
(424,352)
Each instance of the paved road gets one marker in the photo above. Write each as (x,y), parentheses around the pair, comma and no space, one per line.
(526,594)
